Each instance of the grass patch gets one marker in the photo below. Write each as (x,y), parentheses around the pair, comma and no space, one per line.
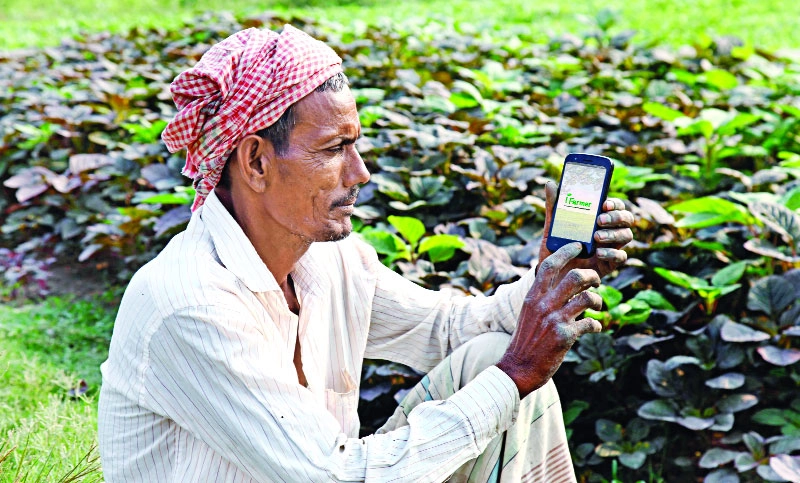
(46,349)
(26,23)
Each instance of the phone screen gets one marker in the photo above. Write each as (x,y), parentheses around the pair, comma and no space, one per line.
(578,201)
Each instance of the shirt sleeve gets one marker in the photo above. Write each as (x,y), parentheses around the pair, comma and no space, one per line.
(208,371)
(419,327)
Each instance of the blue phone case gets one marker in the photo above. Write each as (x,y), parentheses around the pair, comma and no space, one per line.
(561,238)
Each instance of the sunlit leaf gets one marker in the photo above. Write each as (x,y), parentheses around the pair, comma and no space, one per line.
(720,79)
(440,247)
(654,299)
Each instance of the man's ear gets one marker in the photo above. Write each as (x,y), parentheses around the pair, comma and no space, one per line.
(255,158)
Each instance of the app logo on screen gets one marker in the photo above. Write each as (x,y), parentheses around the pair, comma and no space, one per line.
(578,201)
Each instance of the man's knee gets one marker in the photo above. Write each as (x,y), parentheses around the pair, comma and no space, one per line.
(480,353)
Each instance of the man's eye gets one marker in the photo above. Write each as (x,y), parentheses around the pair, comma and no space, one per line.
(337,149)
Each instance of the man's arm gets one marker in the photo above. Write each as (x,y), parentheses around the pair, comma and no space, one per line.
(420,327)
(206,373)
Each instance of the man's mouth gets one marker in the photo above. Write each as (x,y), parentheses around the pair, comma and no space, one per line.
(350,200)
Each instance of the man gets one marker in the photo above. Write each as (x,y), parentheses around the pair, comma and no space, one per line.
(237,352)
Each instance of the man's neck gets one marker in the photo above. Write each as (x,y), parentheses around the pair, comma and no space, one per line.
(279,252)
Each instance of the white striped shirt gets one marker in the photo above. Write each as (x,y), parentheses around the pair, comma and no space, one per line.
(200,383)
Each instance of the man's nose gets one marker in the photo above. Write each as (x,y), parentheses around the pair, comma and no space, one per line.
(355,171)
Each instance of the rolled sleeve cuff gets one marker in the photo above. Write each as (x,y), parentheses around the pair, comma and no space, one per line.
(490,403)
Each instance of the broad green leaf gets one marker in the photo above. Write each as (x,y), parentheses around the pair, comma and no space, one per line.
(662,111)
(696,126)
(440,247)
(742,52)
(384,243)
(409,228)
(707,204)
(611,296)
(729,275)
(169,199)
(721,79)
(791,199)
(770,417)
(575,408)
(682,75)
(710,211)
(635,312)
(654,299)
(682,279)
(465,95)
(369,114)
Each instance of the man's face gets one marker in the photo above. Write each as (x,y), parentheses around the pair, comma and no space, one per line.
(316,184)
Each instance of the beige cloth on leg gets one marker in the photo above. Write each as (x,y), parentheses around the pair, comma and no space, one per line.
(534,449)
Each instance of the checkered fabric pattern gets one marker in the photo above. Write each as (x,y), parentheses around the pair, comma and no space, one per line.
(241,85)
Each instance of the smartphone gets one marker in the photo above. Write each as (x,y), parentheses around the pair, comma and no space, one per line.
(581,194)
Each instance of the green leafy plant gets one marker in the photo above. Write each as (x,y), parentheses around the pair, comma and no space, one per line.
(411,244)
(722,283)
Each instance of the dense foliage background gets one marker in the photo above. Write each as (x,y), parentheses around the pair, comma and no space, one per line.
(696,375)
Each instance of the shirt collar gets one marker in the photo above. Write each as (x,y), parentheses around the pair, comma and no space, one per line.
(234,248)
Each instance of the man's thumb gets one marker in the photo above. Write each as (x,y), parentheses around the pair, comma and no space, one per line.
(550,193)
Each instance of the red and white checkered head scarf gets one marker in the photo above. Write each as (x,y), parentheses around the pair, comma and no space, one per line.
(241,85)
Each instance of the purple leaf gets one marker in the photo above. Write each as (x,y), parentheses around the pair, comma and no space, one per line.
(779,357)
(786,466)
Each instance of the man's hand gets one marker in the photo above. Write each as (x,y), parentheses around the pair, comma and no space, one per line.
(547,327)
(614,233)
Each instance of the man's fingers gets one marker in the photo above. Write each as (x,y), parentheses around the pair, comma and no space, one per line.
(612,204)
(548,272)
(576,281)
(585,326)
(616,237)
(579,303)
(552,265)
(616,219)
(611,255)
